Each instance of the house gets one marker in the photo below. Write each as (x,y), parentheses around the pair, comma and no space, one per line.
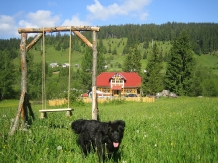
(119,83)
(52,65)
(65,65)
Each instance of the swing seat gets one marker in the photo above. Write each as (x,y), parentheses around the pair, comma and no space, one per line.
(43,113)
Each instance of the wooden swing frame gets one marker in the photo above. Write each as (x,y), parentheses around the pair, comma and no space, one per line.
(24,99)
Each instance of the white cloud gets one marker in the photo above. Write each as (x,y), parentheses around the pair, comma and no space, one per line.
(26,24)
(42,18)
(100,12)
(129,7)
(6,22)
(74,21)
(7,26)
(38,19)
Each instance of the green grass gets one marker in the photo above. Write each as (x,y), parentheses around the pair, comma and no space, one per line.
(168,130)
(57,56)
(209,61)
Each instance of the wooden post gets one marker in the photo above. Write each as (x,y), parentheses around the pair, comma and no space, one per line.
(23,73)
(16,121)
(94,72)
(22,109)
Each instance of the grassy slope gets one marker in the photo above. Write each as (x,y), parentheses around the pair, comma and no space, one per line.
(208,61)
(113,60)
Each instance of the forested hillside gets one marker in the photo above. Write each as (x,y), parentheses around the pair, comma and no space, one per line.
(120,48)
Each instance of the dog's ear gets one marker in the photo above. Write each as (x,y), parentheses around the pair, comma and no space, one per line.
(122,124)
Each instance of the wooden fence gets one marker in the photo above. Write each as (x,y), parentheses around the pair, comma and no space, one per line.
(57,102)
(135,99)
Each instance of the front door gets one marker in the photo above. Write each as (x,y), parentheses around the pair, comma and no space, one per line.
(116,92)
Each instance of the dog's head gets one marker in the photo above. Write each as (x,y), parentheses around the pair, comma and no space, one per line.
(77,126)
(116,131)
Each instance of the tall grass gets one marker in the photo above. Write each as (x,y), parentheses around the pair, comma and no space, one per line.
(168,130)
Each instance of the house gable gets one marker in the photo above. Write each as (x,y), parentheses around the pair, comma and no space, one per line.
(131,79)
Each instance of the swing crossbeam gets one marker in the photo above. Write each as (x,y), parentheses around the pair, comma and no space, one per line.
(43,113)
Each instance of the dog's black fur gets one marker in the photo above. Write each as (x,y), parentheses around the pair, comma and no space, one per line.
(105,137)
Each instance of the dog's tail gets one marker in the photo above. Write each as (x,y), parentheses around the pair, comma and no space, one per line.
(77,126)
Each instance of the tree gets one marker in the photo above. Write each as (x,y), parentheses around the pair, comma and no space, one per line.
(6,75)
(86,67)
(180,68)
(204,82)
(102,47)
(144,55)
(133,61)
(114,51)
(152,78)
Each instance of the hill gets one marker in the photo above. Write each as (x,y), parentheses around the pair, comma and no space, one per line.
(116,43)
(115,62)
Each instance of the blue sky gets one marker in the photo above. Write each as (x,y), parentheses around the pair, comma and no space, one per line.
(16,14)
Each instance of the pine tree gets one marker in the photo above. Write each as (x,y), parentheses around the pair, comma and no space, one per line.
(132,61)
(86,67)
(114,51)
(179,69)
(152,78)
(6,75)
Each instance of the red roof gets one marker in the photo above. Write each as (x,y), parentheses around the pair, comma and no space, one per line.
(132,79)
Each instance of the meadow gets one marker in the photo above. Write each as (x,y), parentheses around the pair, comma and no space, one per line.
(180,129)
(113,61)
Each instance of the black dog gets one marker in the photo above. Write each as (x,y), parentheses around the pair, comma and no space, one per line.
(105,137)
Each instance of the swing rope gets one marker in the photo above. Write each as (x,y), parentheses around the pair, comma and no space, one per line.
(69,74)
(43,72)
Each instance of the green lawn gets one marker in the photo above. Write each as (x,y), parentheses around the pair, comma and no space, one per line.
(169,130)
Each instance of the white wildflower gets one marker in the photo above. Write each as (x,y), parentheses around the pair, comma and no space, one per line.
(59,148)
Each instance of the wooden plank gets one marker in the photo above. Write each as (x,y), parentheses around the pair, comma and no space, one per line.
(56,110)
(58,29)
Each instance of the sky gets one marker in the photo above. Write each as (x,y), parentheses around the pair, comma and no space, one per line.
(16,14)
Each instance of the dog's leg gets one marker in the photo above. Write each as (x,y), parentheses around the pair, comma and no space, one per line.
(83,144)
(100,149)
